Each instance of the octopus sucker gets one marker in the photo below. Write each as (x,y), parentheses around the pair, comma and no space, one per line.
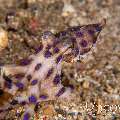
(38,77)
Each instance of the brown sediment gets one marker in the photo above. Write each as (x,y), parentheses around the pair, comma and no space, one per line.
(4,98)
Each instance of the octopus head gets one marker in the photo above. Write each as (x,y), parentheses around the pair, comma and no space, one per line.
(81,38)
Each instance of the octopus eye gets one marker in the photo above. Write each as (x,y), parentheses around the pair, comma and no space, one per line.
(46,34)
(98,27)
(83,43)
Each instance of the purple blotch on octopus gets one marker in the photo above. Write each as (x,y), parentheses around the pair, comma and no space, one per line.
(43,97)
(60,92)
(83,43)
(47,54)
(91,32)
(73,39)
(56,41)
(19,75)
(71,86)
(20,85)
(57,79)
(26,116)
(37,67)
(32,99)
(59,58)
(63,33)
(50,71)
(38,49)
(34,82)
(56,50)
(76,51)
(79,34)
(25,62)
(23,103)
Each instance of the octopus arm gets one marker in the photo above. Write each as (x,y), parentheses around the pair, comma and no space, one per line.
(13,69)
(12,72)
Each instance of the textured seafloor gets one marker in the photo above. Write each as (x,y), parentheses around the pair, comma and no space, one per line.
(96,78)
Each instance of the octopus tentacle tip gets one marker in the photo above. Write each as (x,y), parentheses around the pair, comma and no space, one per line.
(103,22)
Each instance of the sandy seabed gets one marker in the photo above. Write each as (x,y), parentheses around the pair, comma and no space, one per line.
(96,78)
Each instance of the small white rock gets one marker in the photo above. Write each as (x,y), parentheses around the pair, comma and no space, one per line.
(67,9)
(3,39)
